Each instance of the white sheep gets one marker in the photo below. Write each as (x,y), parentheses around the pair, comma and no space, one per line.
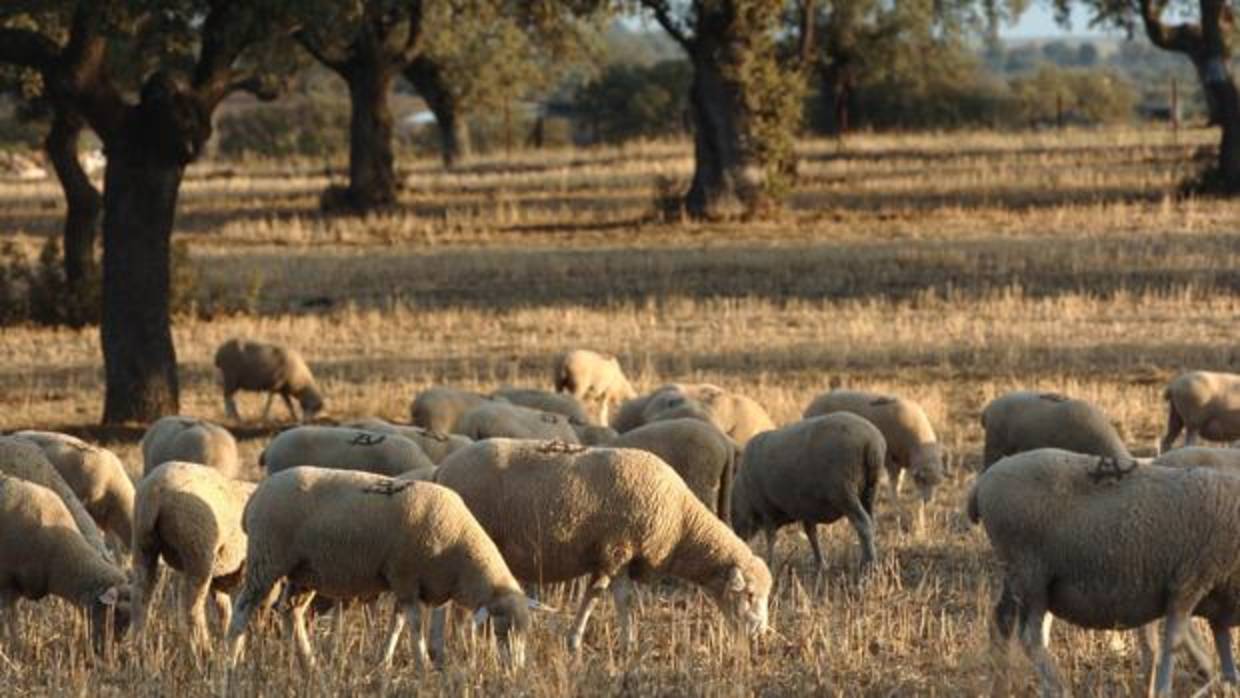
(1226,459)
(818,470)
(436,445)
(546,401)
(704,457)
(592,377)
(245,364)
(1204,405)
(95,475)
(1108,543)
(191,440)
(42,552)
(500,419)
(22,459)
(912,445)
(558,511)
(1025,420)
(441,408)
(356,535)
(343,448)
(738,416)
(190,516)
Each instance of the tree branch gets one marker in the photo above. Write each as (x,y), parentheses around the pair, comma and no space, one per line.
(663,16)
(1184,38)
(320,51)
(263,87)
(27,48)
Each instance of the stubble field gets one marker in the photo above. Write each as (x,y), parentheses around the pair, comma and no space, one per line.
(947,268)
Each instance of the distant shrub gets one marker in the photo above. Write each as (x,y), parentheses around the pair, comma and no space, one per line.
(633,101)
(310,127)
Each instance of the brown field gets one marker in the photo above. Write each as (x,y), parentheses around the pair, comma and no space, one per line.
(948,268)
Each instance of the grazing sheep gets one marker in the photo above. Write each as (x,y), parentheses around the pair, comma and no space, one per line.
(558,511)
(317,528)
(1204,405)
(704,457)
(440,409)
(191,440)
(814,471)
(1109,544)
(640,410)
(22,459)
(738,416)
(1225,459)
(190,515)
(591,376)
(343,449)
(249,365)
(503,420)
(555,403)
(95,475)
(1025,420)
(42,552)
(436,445)
(911,443)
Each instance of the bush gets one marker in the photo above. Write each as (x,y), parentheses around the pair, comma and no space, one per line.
(632,101)
(310,127)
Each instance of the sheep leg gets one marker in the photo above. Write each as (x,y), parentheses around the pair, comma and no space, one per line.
(397,627)
(1002,632)
(230,406)
(1175,424)
(439,617)
(622,593)
(1173,630)
(8,616)
(254,594)
(267,407)
(298,602)
(1034,636)
(770,546)
(292,411)
(811,532)
(223,608)
(417,628)
(1222,647)
(598,585)
(194,594)
(864,526)
(1191,437)
(895,479)
(603,412)
(147,577)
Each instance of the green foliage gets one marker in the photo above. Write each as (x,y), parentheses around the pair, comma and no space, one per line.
(1079,95)
(634,101)
(314,126)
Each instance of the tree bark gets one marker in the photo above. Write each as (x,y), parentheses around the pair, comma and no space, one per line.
(83,201)
(372,171)
(1213,108)
(428,80)
(725,181)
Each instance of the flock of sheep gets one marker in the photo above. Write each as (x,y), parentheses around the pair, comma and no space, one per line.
(482,498)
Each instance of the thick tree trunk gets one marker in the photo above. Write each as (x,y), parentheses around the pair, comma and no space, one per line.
(428,80)
(372,170)
(84,203)
(725,181)
(1222,87)
(1201,64)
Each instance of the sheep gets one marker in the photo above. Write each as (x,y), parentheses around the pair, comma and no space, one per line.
(591,376)
(704,457)
(1024,420)
(556,403)
(814,471)
(911,443)
(245,364)
(1106,543)
(738,416)
(1204,405)
(22,459)
(316,528)
(191,440)
(558,511)
(344,449)
(95,475)
(1225,459)
(190,516)
(43,552)
(498,419)
(436,445)
(439,409)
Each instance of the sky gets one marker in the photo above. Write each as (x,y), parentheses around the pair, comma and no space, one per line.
(1039,22)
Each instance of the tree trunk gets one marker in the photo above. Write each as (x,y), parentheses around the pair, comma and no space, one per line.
(372,172)
(1213,107)
(84,203)
(725,182)
(428,80)
(1221,87)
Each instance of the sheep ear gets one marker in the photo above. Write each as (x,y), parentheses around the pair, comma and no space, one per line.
(110,597)
(736,580)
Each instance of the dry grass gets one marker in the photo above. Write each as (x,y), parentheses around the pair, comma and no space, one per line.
(949,268)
